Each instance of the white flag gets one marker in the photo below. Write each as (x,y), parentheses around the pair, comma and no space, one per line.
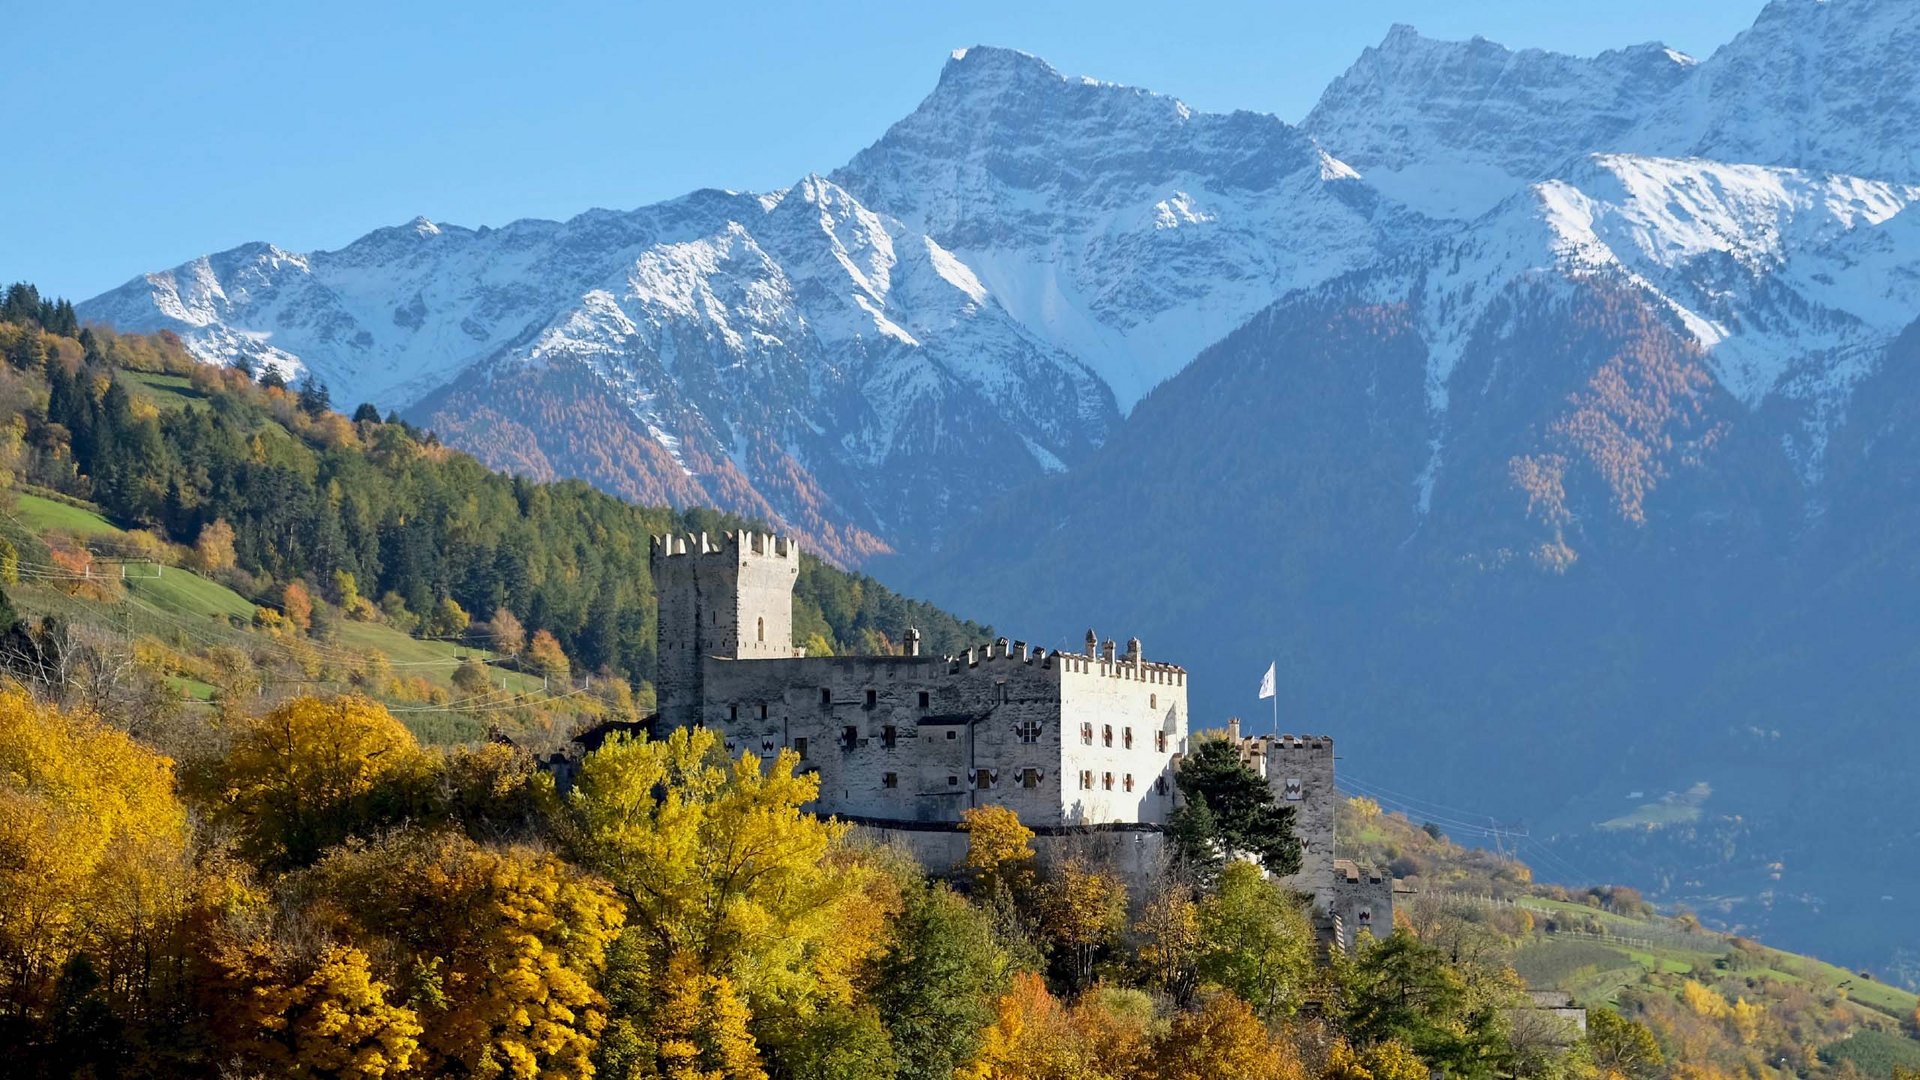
(1266,681)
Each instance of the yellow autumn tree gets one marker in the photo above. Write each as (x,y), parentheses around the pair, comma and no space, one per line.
(999,847)
(213,551)
(1085,908)
(502,945)
(1170,941)
(1031,1037)
(700,1029)
(93,851)
(313,772)
(334,1020)
(1222,1040)
(546,657)
(717,860)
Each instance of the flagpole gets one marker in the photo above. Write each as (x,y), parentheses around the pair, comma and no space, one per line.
(1276,705)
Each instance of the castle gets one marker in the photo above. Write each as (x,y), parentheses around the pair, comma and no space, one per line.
(1079,744)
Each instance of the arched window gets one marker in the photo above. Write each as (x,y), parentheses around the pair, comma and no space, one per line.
(762,631)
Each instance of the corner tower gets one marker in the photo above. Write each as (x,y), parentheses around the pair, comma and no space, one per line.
(730,597)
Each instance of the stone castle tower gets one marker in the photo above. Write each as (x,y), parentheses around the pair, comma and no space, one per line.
(728,597)
(1299,769)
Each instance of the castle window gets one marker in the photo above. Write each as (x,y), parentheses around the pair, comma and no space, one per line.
(952,780)
(800,747)
(1029,777)
(1126,737)
(890,780)
(1160,741)
(926,699)
(1126,782)
(1086,779)
(849,736)
(888,735)
(983,779)
(1028,730)
(1000,691)
(1106,734)
(760,632)
(733,712)
(1086,734)
(1160,784)
(826,698)
(873,698)
(1153,701)
(1106,781)
(952,734)
(763,710)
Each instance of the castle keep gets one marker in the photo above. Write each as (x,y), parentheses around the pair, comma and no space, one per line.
(1076,743)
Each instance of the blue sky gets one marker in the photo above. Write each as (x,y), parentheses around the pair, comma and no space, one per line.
(149,133)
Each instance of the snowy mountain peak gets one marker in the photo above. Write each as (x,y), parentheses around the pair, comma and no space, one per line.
(1451,127)
(1120,225)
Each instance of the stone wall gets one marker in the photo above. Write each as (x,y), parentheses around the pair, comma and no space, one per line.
(1362,900)
(1299,770)
(903,738)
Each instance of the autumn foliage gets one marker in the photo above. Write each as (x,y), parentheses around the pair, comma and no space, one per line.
(324,897)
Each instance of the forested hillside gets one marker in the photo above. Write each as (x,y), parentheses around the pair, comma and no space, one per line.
(323,527)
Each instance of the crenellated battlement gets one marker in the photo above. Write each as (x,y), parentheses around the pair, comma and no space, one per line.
(739,544)
(1293,745)
(1095,661)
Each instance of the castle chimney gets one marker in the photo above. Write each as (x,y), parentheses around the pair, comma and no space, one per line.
(913,641)
(1133,651)
(1093,644)
(1106,651)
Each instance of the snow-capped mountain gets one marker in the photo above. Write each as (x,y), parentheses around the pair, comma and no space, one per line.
(1120,225)
(787,355)
(1450,127)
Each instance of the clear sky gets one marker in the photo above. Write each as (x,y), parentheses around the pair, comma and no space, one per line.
(148,133)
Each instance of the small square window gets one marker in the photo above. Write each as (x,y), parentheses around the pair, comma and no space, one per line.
(1028,730)
(1029,777)
(890,780)
(888,735)
(952,734)
(952,780)
(983,779)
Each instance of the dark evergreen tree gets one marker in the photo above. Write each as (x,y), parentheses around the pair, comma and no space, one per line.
(1219,786)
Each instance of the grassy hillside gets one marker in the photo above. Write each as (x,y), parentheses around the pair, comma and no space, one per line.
(1708,996)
